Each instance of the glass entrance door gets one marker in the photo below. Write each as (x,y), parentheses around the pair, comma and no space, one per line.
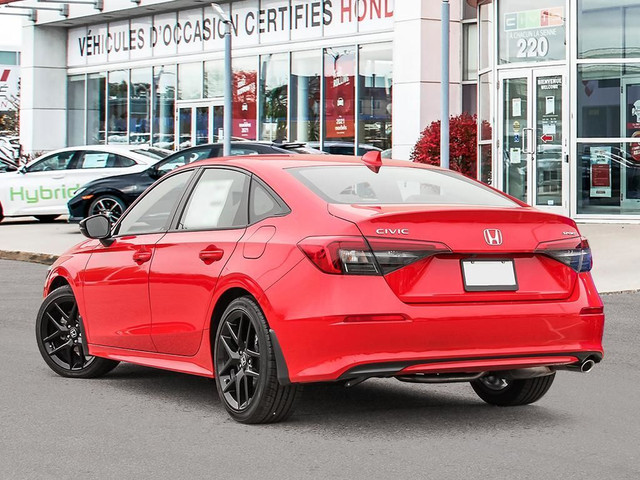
(198,124)
(533,145)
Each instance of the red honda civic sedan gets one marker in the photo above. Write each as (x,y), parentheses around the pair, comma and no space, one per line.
(271,272)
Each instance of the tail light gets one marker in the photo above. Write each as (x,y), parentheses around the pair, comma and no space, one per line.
(573,252)
(371,256)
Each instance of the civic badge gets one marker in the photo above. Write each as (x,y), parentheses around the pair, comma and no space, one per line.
(493,236)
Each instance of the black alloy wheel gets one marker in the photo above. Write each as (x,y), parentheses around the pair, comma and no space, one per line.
(108,205)
(496,390)
(59,333)
(245,368)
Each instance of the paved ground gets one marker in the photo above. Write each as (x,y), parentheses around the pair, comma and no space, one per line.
(149,424)
(614,247)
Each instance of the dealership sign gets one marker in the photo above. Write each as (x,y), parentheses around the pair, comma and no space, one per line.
(533,35)
(199,30)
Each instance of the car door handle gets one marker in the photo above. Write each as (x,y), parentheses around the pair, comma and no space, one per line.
(142,256)
(57,177)
(211,254)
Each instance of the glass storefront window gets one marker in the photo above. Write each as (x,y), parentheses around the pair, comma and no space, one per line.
(140,105)
(190,81)
(470,49)
(339,95)
(164,99)
(305,96)
(608,178)
(485,24)
(470,98)
(484,106)
(608,29)
(75,110)
(96,108)
(486,164)
(527,34)
(274,83)
(375,90)
(245,79)
(117,115)
(608,97)
(214,78)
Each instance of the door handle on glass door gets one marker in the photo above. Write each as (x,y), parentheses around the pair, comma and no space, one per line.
(142,256)
(211,254)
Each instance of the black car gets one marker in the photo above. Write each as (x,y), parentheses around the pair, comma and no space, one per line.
(112,195)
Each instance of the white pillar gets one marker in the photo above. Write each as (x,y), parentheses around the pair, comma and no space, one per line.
(416,69)
(43,90)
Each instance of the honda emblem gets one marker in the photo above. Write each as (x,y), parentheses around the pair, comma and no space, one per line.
(493,236)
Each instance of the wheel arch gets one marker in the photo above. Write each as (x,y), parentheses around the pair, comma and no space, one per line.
(224,299)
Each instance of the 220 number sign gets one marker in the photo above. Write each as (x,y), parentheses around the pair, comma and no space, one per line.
(533,47)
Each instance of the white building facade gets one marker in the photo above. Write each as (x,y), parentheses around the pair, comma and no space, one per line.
(347,72)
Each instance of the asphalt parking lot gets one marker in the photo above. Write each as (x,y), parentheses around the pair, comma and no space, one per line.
(143,423)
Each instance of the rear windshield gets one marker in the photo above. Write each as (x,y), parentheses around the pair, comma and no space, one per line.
(353,184)
(154,153)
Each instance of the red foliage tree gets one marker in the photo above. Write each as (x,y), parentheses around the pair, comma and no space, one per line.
(463,145)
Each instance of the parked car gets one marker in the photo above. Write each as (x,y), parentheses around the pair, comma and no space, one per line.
(111,196)
(344,148)
(273,273)
(43,187)
(7,165)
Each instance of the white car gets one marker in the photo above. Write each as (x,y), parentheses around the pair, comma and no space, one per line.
(43,187)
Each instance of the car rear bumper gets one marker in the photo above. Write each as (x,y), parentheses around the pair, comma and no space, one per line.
(338,327)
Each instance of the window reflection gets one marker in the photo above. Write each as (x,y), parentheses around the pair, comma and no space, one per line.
(117,115)
(164,84)
(140,104)
(305,95)
(274,83)
(376,85)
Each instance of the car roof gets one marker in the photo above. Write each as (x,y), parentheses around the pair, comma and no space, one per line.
(284,161)
(126,150)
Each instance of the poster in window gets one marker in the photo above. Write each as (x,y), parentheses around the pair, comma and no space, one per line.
(600,159)
(244,104)
(339,95)
(633,122)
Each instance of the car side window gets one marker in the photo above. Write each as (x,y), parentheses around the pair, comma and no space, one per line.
(184,159)
(151,213)
(244,151)
(219,200)
(263,203)
(58,161)
(90,160)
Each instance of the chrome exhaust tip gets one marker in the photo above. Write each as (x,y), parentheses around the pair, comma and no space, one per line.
(587,365)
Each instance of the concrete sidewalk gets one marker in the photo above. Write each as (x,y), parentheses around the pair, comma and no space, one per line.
(616,259)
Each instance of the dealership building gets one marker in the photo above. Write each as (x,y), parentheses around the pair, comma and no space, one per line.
(555,83)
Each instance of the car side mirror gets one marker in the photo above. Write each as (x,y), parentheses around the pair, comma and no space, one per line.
(97,227)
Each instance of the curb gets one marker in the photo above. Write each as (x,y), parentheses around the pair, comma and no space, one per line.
(31,257)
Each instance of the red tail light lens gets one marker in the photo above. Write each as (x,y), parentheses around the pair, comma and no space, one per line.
(573,252)
(373,256)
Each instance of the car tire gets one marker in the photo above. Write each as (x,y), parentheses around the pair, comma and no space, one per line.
(509,393)
(59,333)
(109,205)
(245,367)
(46,218)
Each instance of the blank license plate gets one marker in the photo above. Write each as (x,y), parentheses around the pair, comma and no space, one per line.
(489,275)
